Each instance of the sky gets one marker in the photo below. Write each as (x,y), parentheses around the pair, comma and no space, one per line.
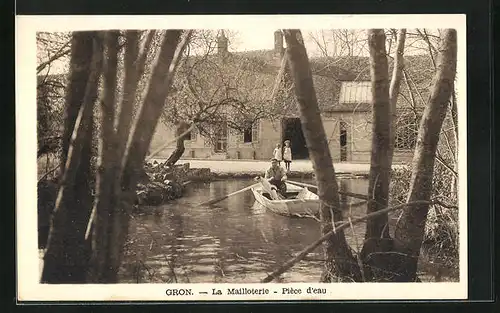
(255,32)
(244,39)
(247,39)
(262,38)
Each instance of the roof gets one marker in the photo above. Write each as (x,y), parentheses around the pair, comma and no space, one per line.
(328,75)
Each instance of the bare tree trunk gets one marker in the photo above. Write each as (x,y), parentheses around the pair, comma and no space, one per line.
(454,113)
(410,227)
(134,68)
(454,119)
(177,153)
(179,149)
(111,188)
(81,58)
(107,158)
(151,108)
(397,77)
(113,144)
(339,262)
(380,168)
(140,138)
(67,254)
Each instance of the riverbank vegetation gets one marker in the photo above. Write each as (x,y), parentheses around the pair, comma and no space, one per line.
(383,257)
(441,239)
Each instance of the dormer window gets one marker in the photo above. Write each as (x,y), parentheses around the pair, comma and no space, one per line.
(355,92)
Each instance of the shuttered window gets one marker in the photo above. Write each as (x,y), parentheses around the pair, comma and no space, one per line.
(256,131)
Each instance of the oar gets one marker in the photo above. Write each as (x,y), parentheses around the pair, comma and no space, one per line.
(213,201)
(301,184)
(349,194)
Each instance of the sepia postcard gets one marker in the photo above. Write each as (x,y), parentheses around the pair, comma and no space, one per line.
(241,157)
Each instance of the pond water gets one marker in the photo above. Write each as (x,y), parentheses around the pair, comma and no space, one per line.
(236,241)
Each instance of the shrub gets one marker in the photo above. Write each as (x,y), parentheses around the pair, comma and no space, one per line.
(441,229)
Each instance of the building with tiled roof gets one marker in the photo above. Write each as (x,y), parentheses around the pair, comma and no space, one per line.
(343,90)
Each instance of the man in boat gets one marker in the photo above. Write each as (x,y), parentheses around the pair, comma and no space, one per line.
(276,175)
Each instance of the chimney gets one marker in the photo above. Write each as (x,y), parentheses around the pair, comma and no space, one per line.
(278,44)
(222,43)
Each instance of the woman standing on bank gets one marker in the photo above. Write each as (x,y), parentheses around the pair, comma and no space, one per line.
(287,155)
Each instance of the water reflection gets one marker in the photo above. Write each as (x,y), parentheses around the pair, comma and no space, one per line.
(236,241)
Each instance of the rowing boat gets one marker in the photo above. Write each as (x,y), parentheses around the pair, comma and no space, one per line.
(298,201)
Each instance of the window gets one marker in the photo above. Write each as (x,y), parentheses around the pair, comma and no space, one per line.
(250,132)
(221,137)
(355,92)
(247,135)
(343,141)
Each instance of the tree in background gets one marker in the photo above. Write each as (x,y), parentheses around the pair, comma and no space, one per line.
(67,253)
(340,263)
(412,59)
(215,87)
(87,231)
(52,52)
(383,258)
(380,167)
(411,225)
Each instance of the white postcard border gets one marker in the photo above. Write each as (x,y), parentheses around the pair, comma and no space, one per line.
(29,288)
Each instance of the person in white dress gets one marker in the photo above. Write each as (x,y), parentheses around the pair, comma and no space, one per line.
(287,155)
(278,153)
